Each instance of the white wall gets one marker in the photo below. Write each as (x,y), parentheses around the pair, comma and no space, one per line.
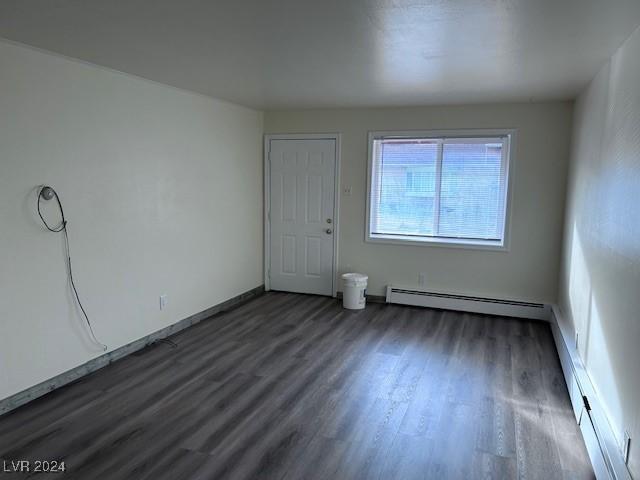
(529,270)
(163,192)
(600,280)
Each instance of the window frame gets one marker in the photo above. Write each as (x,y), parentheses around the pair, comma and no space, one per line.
(509,134)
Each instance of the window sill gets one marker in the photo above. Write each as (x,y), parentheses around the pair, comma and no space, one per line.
(494,245)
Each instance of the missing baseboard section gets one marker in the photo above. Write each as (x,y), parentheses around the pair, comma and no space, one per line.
(26,396)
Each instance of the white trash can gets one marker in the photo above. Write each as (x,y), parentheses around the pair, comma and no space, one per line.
(355,286)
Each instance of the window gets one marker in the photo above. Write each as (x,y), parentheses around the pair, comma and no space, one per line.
(446,189)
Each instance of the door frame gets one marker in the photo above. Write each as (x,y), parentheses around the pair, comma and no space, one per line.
(267,200)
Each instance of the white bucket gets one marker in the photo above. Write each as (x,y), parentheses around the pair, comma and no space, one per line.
(355,286)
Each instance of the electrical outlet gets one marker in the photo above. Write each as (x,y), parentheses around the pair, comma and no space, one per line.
(422,279)
(163,302)
(626,447)
(348,190)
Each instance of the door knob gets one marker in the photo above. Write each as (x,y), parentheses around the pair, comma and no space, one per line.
(329,231)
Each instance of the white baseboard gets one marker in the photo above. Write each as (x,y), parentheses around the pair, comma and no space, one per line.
(599,437)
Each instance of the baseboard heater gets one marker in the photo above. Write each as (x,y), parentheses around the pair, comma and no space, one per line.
(465,303)
(605,452)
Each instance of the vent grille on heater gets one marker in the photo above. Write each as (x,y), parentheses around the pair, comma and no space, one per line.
(450,301)
(465,297)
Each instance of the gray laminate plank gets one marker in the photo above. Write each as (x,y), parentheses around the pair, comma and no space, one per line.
(292,386)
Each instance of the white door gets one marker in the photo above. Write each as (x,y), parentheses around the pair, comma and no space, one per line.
(301,211)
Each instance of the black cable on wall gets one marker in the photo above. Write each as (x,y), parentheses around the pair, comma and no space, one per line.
(47,193)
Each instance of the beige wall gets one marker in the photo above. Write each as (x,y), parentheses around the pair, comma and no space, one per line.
(529,270)
(600,280)
(163,193)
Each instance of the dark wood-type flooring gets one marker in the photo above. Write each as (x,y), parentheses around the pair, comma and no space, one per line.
(294,387)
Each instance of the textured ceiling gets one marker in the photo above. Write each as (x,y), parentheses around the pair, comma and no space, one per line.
(299,53)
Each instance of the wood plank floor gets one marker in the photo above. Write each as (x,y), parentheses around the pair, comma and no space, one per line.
(294,387)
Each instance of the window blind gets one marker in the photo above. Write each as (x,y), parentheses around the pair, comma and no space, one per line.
(439,187)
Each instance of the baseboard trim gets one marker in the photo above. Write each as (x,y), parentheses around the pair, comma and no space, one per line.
(606,457)
(25,396)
